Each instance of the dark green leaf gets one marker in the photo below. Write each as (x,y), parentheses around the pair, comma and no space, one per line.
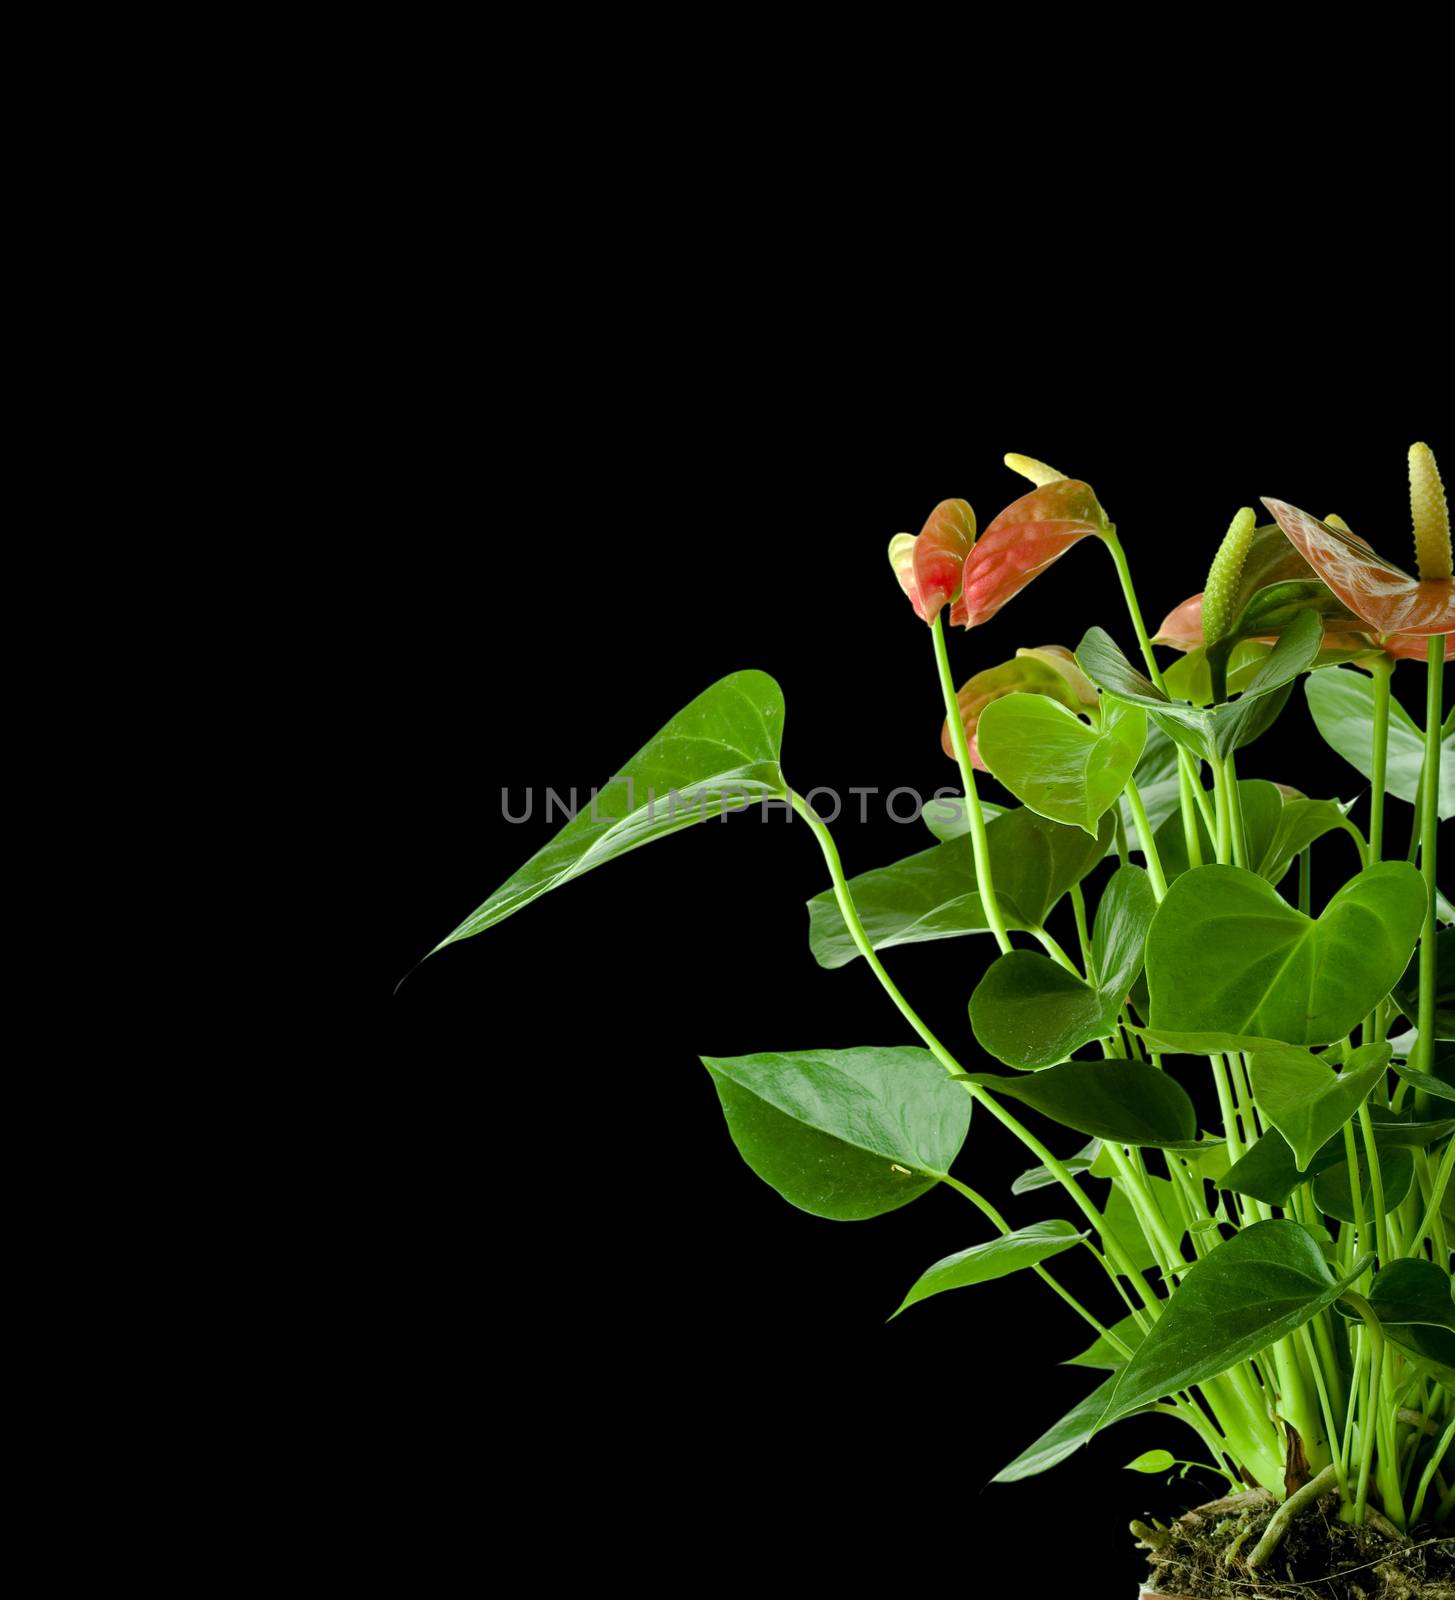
(718,754)
(1300,823)
(1269,1172)
(1334,1197)
(845,1134)
(1306,1101)
(982,1262)
(1412,1301)
(1254,1289)
(1068,1435)
(1227,954)
(1125,1101)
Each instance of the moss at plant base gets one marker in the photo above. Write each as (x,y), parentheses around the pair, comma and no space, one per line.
(1204,1556)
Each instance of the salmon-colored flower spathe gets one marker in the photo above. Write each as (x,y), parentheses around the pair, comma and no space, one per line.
(930,566)
(1401,612)
(1022,542)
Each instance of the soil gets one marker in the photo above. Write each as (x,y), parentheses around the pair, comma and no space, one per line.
(1204,1555)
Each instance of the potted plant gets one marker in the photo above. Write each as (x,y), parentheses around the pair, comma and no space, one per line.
(1278,1284)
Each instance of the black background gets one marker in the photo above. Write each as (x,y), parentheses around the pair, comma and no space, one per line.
(579,1292)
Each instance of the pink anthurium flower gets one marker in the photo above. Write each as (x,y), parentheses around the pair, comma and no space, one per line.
(1024,540)
(1050,670)
(1379,593)
(930,565)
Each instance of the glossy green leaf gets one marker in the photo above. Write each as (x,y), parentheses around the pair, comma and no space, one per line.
(1119,939)
(1300,823)
(1269,1171)
(934,893)
(1217,730)
(718,754)
(1334,1197)
(1407,990)
(1342,702)
(1034,1178)
(1227,954)
(845,1134)
(996,1259)
(1053,762)
(1152,1461)
(1030,1012)
(1306,1101)
(1254,1289)
(1102,1353)
(1128,1102)
(1426,1082)
(1190,677)
(1412,1300)
(1062,1440)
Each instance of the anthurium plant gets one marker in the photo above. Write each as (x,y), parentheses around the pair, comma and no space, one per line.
(1278,1283)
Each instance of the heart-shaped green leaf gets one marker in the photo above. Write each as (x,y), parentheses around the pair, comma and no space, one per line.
(1030,1012)
(1218,730)
(1269,1171)
(1300,823)
(1127,1102)
(1342,702)
(1227,954)
(1407,990)
(720,753)
(982,1262)
(1254,1289)
(1306,1101)
(845,1134)
(1335,1198)
(1053,762)
(1062,1440)
(934,894)
(1412,1300)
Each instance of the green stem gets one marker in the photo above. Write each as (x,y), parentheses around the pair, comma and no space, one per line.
(1433,1222)
(1054,950)
(1383,670)
(1147,842)
(983,879)
(1432,1466)
(1429,823)
(999,1222)
(850,913)
(1224,835)
(1376,1185)
(1239,827)
(1083,935)
(1188,788)
(1356,1193)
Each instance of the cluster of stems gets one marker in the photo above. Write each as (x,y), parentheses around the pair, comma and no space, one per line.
(1362,1414)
